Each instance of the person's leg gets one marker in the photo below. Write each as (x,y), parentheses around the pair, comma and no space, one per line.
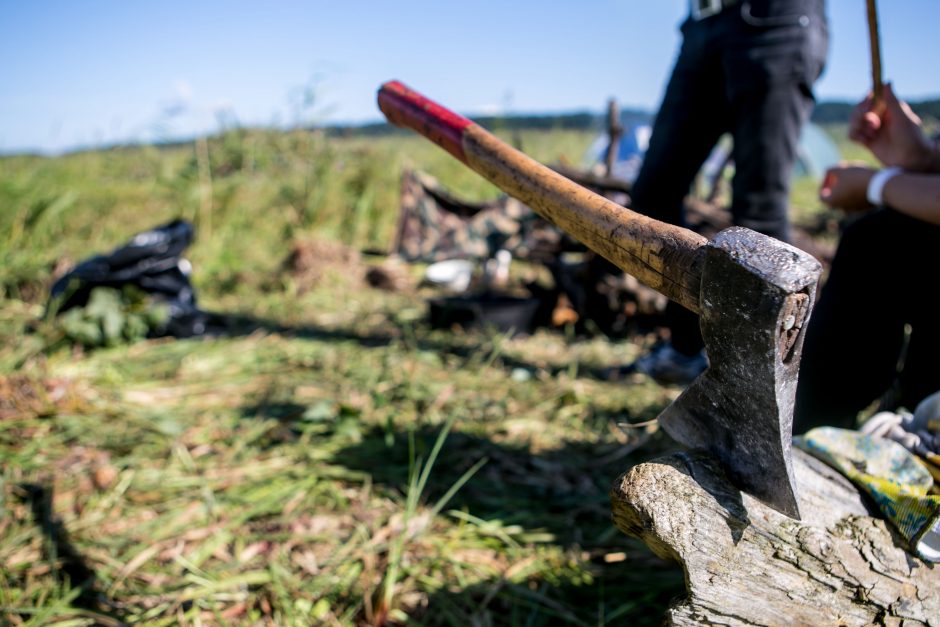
(920,376)
(771,71)
(914,273)
(765,143)
(856,330)
(692,117)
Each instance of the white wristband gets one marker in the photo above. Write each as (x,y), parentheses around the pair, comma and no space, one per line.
(876,184)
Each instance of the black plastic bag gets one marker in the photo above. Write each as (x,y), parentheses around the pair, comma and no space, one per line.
(152,262)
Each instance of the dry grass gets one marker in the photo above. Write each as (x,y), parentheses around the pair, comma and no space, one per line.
(334,461)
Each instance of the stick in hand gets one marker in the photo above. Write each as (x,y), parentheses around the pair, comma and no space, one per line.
(875,41)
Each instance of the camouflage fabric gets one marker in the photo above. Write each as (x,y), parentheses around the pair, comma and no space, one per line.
(433,226)
(891,475)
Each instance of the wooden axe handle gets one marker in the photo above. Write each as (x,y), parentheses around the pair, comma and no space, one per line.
(665,257)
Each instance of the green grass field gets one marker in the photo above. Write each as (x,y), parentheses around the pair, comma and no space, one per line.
(336,461)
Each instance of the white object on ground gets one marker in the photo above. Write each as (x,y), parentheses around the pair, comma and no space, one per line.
(454,274)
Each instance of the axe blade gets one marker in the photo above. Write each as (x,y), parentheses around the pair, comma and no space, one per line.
(757,293)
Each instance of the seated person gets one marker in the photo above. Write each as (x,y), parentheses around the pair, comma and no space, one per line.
(875,331)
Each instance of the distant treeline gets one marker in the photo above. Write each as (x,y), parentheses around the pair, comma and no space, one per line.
(578,120)
(824,113)
(838,112)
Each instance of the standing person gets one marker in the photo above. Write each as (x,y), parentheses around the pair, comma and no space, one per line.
(880,285)
(746,68)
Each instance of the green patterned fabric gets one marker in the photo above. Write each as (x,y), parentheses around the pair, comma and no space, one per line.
(891,475)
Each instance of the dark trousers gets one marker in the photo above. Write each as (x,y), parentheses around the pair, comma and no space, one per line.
(747,71)
(881,281)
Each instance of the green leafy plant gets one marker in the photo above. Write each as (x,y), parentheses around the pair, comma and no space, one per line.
(112,317)
(417,481)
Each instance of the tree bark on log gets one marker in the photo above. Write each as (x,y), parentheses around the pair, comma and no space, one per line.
(747,564)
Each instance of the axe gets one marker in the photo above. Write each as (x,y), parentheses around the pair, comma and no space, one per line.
(753,293)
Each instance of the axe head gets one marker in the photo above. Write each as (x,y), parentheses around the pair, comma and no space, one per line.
(757,294)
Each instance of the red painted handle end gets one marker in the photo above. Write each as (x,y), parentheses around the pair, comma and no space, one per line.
(406,107)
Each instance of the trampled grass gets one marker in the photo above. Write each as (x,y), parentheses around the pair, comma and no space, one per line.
(333,460)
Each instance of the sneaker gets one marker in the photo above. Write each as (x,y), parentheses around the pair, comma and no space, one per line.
(667,365)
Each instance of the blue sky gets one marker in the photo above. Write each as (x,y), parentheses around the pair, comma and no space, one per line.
(86,73)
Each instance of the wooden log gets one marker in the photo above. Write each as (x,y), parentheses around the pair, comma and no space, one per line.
(747,564)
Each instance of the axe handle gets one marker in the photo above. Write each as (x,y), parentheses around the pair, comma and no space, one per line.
(665,257)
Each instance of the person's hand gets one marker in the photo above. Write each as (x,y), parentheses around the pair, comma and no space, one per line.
(892,131)
(846,187)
